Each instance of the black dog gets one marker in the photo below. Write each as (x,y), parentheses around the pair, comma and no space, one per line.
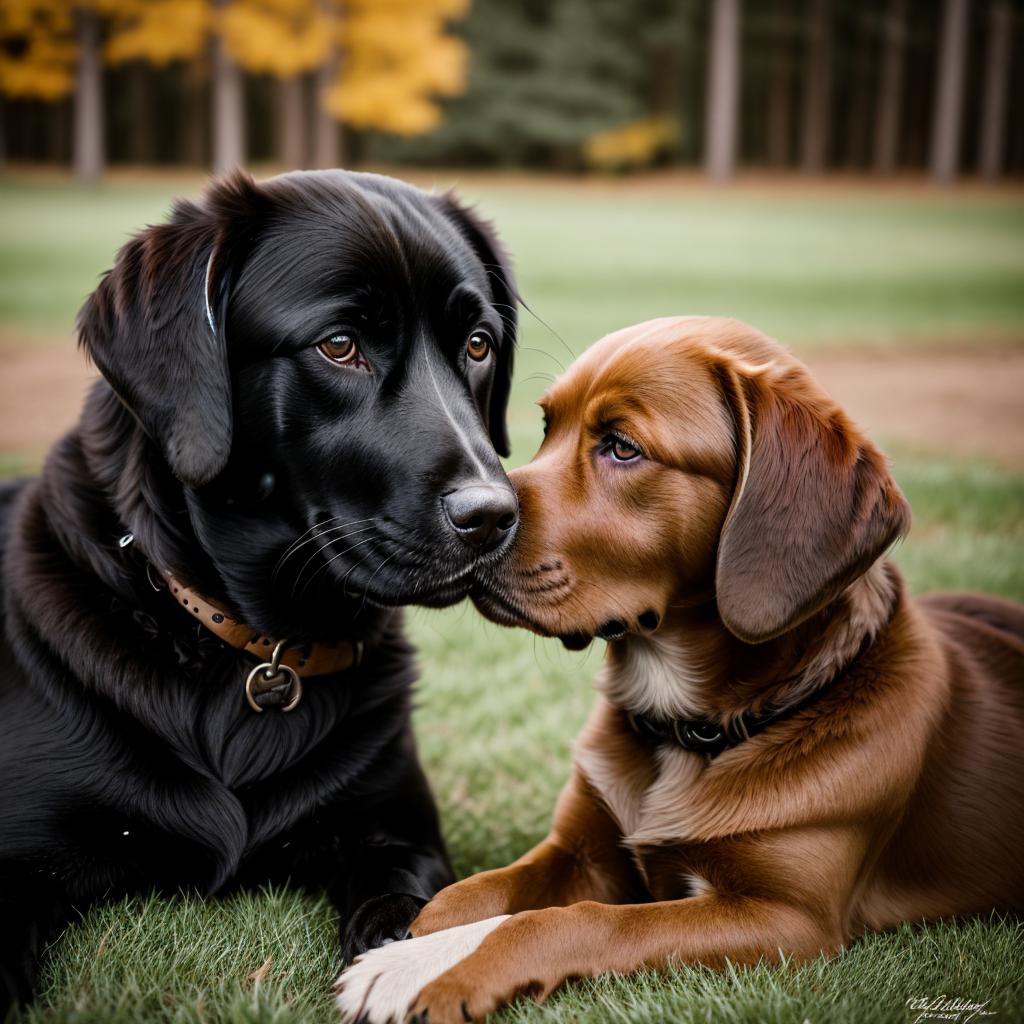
(300,380)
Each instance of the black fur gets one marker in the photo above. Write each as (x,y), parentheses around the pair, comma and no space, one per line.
(129,761)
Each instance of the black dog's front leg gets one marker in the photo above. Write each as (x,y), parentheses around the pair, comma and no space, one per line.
(393,870)
(31,916)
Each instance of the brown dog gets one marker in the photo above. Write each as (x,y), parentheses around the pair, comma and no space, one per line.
(788,751)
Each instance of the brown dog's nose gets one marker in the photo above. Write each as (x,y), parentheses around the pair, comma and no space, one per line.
(483,515)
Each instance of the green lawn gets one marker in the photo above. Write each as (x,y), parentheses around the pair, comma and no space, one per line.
(831,266)
(499,708)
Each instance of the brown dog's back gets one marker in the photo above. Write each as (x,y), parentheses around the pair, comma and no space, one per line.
(957,850)
(995,613)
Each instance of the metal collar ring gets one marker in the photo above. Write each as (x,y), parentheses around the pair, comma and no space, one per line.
(274,672)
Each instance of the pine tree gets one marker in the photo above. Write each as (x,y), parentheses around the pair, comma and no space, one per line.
(545,77)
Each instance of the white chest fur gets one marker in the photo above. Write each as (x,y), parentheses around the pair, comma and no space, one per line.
(659,674)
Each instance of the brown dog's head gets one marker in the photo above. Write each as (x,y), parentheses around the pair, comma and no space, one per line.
(690,460)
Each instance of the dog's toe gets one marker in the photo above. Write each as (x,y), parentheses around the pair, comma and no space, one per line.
(381,986)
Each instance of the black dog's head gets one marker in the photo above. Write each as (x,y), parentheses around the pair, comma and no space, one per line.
(320,365)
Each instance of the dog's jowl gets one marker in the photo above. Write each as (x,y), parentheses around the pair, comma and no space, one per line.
(204,683)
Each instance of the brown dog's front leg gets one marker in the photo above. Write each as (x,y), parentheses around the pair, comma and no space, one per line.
(533,953)
(581,859)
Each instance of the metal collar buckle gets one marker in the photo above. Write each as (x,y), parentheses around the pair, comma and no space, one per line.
(697,735)
(268,677)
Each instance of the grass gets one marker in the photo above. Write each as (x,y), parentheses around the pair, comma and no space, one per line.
(499,708)
(261,959)
(857,265)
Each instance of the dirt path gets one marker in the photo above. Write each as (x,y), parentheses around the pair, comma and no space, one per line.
(966,402)
(959,402)
(41,391)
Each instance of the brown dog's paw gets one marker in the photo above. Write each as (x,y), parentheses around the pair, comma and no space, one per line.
(460,904)
(463,995)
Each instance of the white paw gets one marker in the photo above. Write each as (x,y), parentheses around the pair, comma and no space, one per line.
(381,985)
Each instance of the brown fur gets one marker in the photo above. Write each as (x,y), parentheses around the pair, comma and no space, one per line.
(755,530)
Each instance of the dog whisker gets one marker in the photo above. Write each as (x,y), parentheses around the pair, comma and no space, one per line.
(543,352)
(305,533)
(335,557)
(548,327)
(369,582)
(320,550)
(344,582)
(303,539)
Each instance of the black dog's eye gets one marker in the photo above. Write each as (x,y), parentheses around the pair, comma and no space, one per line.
(343,350)
(478,348)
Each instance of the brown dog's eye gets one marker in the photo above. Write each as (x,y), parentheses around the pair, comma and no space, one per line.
(621,450)
(343,350)
(478,348)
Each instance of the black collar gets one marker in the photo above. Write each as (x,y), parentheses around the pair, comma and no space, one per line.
(707,737)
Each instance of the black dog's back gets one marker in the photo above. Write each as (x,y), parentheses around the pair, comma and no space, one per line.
(9,493)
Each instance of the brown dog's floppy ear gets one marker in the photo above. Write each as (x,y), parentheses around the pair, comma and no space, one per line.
(155,329)
(482,238)
(814,505)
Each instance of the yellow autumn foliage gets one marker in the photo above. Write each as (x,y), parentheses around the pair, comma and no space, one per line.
(279,37)
(633,145)
(37,49)
(398,58)
(157,31)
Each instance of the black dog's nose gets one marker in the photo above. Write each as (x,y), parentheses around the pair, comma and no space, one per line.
(482,514)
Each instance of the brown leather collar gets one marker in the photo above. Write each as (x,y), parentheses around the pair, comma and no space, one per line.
(318,659)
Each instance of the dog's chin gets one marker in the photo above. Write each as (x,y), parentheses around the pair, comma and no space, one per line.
(506,612)
(438,597)
(437,586)
(385,595)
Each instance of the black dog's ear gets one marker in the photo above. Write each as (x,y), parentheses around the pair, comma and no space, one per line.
(155,329)
(814,505)
(480,235)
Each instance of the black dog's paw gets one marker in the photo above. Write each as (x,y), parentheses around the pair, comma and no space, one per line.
(378,921)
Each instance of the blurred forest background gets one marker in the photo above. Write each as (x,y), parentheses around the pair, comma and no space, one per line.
(883,86)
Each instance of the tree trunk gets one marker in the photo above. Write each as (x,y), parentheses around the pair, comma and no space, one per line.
(89,146)
(779,117)
(817,88)
(326,131)
(291,121)
(143,142)
(228,110)
(59,130)
(193,123)
(723,91)
(859,85)
(949,95)
(997,81)
(890,90)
